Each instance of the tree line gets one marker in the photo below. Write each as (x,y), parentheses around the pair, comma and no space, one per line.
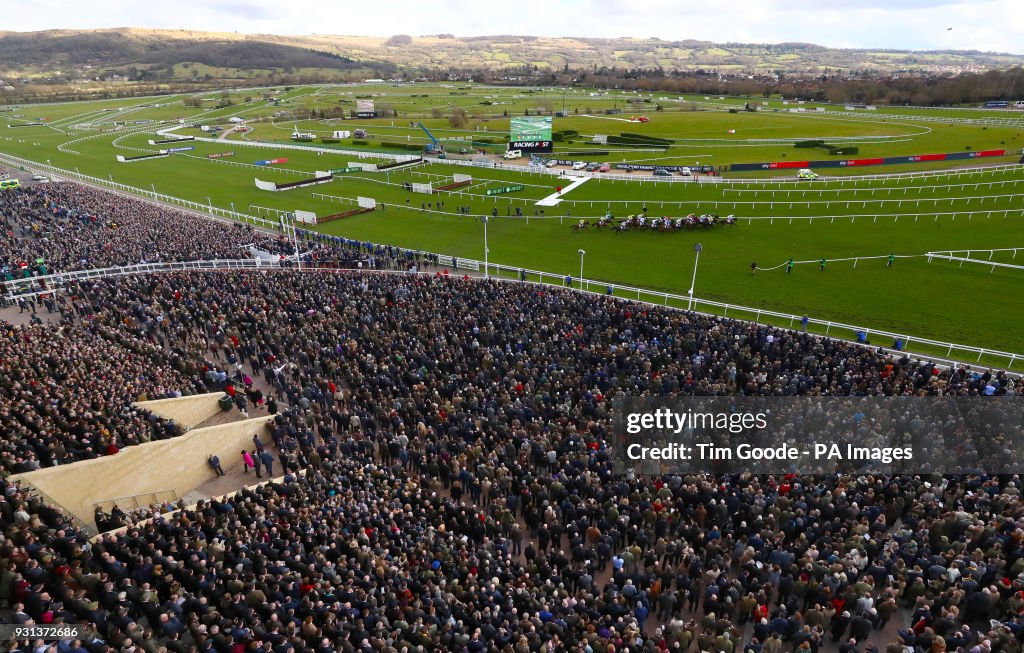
(867,87)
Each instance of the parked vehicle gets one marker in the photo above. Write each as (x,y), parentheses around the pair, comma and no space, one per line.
(661,172)
(579,165)
(514,154)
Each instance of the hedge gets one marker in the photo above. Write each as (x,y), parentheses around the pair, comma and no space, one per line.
(563,134)
(627,142)
(403,146)
(644,137)
(831,149)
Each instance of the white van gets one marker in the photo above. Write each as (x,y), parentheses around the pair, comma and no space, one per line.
(579,165)
(806,173)
(514,154)
(685,172)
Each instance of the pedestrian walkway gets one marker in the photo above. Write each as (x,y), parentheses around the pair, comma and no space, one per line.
(555,198)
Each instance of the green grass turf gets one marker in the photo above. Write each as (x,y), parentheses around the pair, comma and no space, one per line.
(940,300)
(700,136)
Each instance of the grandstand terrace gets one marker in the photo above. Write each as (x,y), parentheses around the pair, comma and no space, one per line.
(447,482)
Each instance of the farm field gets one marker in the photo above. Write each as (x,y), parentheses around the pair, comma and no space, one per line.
(854,222)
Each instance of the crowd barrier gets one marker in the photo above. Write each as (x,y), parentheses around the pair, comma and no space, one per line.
(828,328)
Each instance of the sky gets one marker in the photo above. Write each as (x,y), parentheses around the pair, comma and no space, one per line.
(990,25)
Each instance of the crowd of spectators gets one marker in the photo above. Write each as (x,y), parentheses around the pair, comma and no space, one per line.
(65,392)
(448,482)
(451,487)
(64,226)
(71,227)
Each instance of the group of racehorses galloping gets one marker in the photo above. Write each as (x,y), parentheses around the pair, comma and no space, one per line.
(641,222)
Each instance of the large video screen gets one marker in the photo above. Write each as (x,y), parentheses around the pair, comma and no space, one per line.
(365,109)
(530,134)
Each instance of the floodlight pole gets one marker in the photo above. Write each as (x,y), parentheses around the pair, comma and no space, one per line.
(582,253)
(487,273)
(295,242)
(697,247)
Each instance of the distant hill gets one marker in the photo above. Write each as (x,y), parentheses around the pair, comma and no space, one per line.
(497,52)
(90,53)
(165,53)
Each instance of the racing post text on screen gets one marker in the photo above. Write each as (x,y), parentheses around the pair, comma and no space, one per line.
(889,435)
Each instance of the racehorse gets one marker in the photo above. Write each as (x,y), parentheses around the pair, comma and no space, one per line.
(641,222)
